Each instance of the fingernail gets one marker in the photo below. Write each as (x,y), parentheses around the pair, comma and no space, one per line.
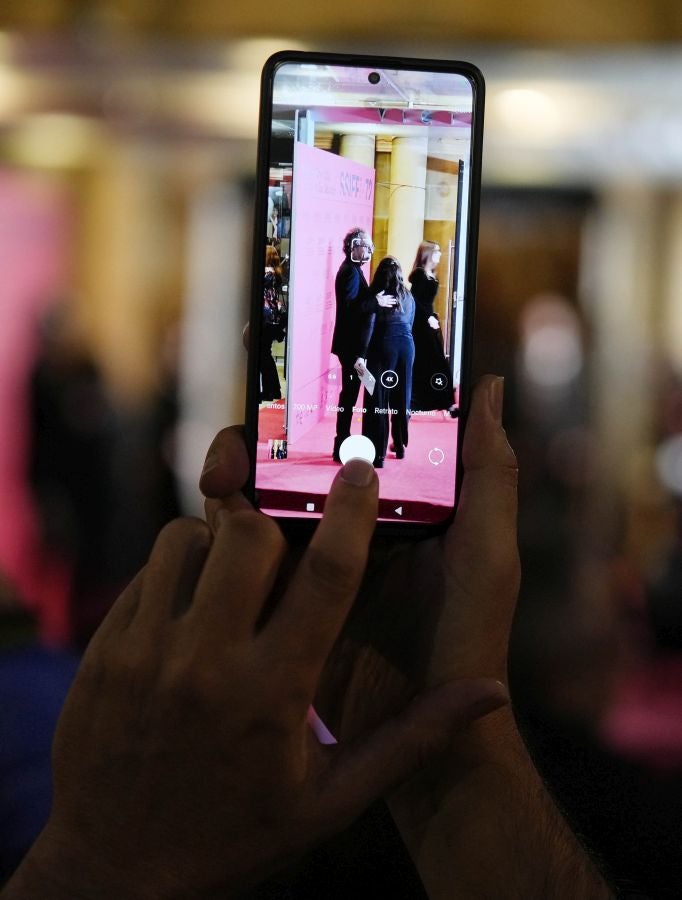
(357,472)
(496,398)
(212,460)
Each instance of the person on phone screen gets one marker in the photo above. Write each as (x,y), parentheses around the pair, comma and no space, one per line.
(388,345)
(353,305)
(431,376)
(274,325)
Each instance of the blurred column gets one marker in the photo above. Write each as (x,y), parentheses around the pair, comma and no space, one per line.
(129,266)
(213,360)
(620,291)
(382,196)
(407,199)
(364,149)
(442,185)
(359,148)
(671,320)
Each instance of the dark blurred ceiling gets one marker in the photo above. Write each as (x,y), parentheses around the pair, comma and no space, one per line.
(528,21)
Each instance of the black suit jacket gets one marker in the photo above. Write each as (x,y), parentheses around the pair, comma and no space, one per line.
(351,310)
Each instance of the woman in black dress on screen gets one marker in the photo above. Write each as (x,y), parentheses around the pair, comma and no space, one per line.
(388,347)
(432,386)
(273,327)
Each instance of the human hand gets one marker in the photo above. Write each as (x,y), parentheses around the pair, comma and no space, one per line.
(433,322)
(478,821)
(393,641)
(360,366)
(438,610)
(183,762)
(386,301)
(430,613)
(470,575)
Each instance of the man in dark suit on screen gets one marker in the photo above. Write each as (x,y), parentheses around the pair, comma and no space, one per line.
(353,305)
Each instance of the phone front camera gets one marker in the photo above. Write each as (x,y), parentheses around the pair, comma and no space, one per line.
(374,78)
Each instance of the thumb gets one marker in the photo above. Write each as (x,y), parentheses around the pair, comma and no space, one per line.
(226,469)
(489,461)
(400,747)
(481,544)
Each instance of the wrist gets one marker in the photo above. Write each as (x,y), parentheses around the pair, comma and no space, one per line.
(490,751)
(484,819)
(54,869)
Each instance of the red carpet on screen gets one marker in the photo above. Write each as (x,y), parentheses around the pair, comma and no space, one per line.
(418,487)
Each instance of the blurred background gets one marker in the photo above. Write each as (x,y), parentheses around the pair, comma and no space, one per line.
(127,156)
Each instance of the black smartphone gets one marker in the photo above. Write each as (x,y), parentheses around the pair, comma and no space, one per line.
(363,281)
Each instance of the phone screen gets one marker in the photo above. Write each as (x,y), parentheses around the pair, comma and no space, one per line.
(365,285)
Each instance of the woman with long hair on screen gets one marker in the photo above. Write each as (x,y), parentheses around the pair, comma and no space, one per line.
(274,325)
(432,384)
(389,350)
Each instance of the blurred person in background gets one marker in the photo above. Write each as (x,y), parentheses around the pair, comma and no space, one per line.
(71,470)
(145,484)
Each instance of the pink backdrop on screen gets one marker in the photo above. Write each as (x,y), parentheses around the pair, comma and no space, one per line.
(331,195)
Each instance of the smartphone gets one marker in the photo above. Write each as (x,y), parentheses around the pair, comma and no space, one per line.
(363,282)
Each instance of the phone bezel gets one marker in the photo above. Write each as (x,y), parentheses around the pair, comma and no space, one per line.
(291,525)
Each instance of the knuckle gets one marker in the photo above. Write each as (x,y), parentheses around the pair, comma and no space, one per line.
(183,532)
(188,684)
(258,531)
(333,574)
(424,750)
(130,674)
(122,675)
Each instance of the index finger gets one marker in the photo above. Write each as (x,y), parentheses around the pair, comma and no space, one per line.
(488,504)
(307,620)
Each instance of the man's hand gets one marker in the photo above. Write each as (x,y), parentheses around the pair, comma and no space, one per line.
(184,766)
(429,612)
(478,822)
(386,301)
(433,322)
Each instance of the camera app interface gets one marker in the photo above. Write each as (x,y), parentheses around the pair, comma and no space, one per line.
(363,295)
